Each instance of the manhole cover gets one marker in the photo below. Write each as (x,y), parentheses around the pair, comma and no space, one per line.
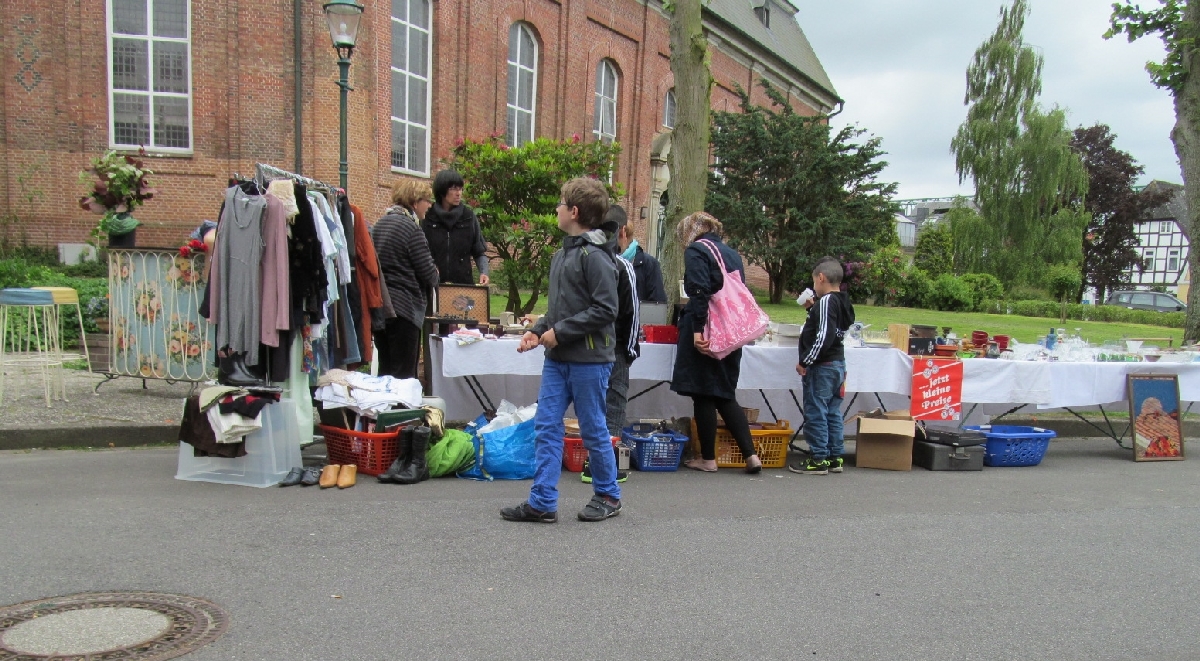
(107,626)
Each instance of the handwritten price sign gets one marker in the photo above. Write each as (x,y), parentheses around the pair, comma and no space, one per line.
(937,389)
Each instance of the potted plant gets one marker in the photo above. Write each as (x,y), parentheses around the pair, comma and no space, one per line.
(119,186)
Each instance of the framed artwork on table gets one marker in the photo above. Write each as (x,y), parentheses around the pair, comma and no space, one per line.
(466,302)
(1155,415)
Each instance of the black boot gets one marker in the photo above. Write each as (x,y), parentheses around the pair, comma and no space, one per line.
(417,470)
(233,372)
(404,440)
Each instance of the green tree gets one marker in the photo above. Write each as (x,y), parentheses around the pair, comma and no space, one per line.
(790,190)
(1177,23)
(1019,156)
(935,249)
(689,157)
(515,192)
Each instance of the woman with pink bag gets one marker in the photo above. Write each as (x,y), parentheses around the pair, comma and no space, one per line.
(710,381)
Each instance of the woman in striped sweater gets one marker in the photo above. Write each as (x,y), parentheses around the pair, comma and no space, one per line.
(408,272)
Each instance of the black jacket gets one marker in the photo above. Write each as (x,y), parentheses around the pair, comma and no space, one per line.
(455,240)
(405,264)
(695,373)
(628,324)
(828,320)
(582,304)
(649,278)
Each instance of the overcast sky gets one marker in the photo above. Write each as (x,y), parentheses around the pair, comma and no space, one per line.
(901,67)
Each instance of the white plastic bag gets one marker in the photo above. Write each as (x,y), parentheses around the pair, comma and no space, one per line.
(507,415)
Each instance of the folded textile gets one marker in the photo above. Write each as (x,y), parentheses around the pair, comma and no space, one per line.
(247,406)
(368,395)
(213,394)
(333,376)
(231,427)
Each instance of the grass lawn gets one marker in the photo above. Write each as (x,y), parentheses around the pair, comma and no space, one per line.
(1025,329)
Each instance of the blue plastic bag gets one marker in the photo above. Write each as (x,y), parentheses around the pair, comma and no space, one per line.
(475,471)
(508,453)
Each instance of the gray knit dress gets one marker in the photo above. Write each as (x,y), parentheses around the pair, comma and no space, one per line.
(239,260)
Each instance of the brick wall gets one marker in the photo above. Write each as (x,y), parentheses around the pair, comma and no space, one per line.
(54,99)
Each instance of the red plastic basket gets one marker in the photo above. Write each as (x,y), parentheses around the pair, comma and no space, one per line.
(661,334)
(371,453)
(575,454)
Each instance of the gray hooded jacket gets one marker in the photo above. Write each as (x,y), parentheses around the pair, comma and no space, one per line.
(583,301)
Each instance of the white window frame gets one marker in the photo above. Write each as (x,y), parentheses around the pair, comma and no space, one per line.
(407,72)
(1173,260)
(602,102)
(1165,227)
(149,93)
(514,100)
(1149,258)
(670,109)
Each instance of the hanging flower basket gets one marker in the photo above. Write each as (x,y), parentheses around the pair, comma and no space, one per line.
(119,186)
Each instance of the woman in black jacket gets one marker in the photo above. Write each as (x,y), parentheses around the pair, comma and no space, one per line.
(453,233)
(711,383)
(408,273)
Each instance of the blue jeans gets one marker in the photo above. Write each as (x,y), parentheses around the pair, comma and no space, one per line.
(823,409)
(585,385)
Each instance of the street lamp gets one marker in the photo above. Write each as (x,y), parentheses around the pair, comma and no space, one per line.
(343,17)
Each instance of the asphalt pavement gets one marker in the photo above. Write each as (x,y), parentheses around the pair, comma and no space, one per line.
(1087,556)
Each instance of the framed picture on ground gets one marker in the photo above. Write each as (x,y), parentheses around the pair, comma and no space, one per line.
(1155,415)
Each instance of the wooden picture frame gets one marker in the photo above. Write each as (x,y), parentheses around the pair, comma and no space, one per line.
(466,302)
(1154,415)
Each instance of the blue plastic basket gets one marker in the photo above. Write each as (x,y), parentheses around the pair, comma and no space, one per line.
(1012,445)
(656,451)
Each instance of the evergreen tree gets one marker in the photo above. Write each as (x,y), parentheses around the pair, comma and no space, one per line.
(789,190)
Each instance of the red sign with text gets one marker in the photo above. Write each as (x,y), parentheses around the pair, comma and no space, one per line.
(937,389)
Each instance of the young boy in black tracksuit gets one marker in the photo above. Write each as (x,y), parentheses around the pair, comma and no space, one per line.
(822,370)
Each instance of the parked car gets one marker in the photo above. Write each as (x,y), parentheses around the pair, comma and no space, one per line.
(1146,300)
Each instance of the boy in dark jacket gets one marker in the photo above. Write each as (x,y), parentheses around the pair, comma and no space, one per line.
(822,370)
(578,334)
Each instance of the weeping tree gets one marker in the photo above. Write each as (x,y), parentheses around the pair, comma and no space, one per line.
(1177,23)
(689,157)
(1019,155)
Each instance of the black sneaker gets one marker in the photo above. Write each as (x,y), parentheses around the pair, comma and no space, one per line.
(524,512)
(600,508)
(811,467)
(586,475)
(836,464)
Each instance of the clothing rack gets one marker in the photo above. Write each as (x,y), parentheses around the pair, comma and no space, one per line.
(264,173)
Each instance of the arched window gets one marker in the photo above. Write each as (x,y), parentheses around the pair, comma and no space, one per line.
(411,56)
(605,126)
(522,84)
(669,109)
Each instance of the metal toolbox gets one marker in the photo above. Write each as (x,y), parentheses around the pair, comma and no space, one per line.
(936,457)
(954,436)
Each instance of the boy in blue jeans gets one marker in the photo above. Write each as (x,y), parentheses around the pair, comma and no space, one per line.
(822,369)
(577,332)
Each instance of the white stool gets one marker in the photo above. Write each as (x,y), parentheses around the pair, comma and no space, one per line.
(32,341)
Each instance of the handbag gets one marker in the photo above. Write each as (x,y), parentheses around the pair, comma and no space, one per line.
(734,318)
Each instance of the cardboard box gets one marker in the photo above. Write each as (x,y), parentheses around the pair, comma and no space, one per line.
(898,414)
(886,444)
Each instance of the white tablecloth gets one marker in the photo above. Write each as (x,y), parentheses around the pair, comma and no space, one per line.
(505,373)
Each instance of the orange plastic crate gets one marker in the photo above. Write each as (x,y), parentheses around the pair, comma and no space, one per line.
(770,442)
(575,453)
(371,453)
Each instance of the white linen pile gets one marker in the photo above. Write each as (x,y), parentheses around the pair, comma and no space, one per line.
(365,394)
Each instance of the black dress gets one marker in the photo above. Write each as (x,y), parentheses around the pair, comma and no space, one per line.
(696,374)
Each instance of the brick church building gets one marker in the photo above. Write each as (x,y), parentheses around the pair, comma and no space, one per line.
(211,88)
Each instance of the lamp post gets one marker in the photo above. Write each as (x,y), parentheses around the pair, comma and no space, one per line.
(343,17)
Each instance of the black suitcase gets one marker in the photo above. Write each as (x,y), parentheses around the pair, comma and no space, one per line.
(935,457)
(953,436)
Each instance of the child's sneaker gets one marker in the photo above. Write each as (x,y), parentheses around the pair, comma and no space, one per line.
(836,464)
(586,475)
(811,467)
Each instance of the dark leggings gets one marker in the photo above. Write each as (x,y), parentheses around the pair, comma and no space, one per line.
(399,346)
(706,425)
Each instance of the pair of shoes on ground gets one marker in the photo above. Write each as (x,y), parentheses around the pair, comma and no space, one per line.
(586,475)
(822,467)
(598,508)
(313,475)
(753,465)
(410,466)
(333,475)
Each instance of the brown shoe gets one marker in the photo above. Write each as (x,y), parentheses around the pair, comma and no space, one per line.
(346,477)
(329,475)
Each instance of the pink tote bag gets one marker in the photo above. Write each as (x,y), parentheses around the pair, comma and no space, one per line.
(734,318)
